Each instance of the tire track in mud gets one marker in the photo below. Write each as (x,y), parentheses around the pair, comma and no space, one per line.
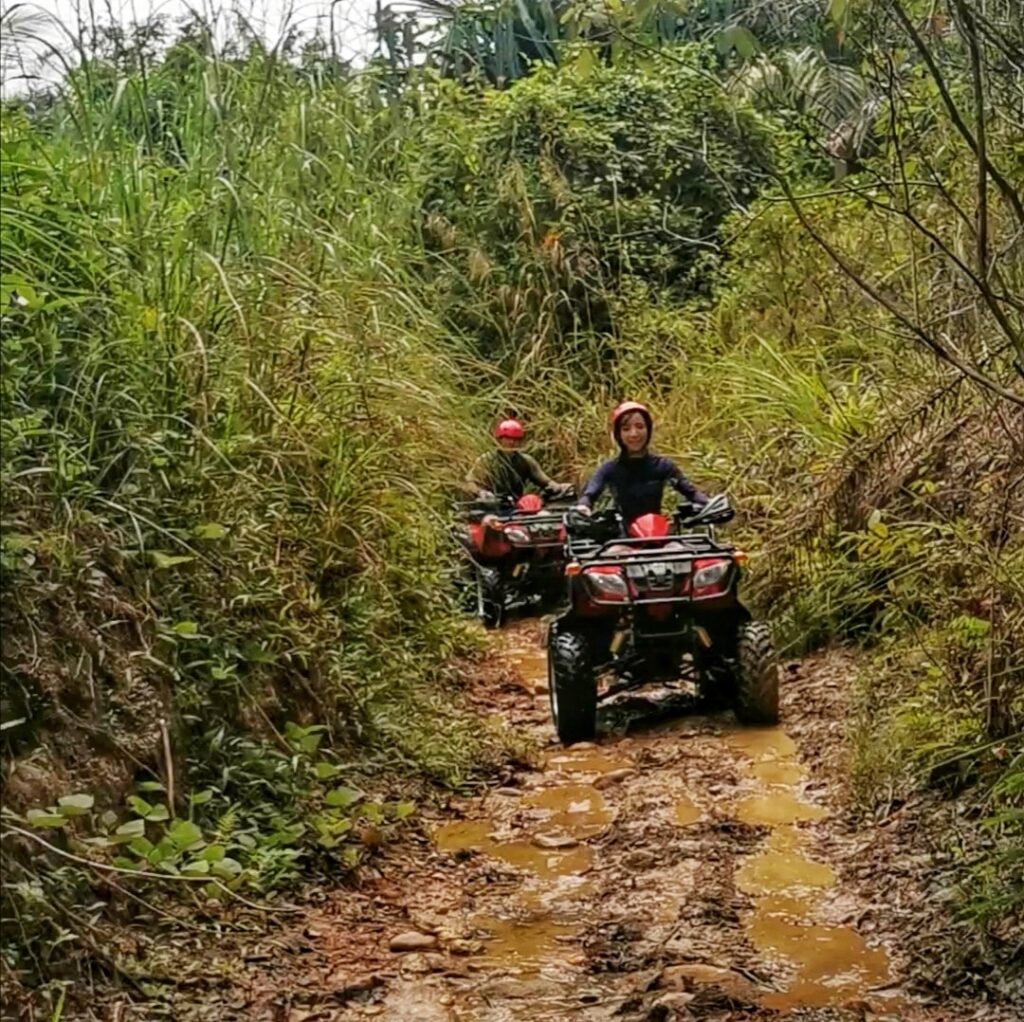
(668,871)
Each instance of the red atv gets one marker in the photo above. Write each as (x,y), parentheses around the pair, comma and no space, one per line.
(516,550)
(660,605)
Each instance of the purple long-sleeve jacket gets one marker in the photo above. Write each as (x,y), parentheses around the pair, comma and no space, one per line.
(638,484)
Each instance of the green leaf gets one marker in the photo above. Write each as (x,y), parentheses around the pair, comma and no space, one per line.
(129,831)
(226,867)
(158,814)
(837,11)
(200,798)
(584,64)
(737,38)
(325,771)
(162,561)
(186,629)
(150,786)
(184,833)
(210,530)
(197,867)
(341,798)
(214,853)
(745,42)
(404,809)
(75,805)
(44,818)
(162,852)
(140,806)
(141,846)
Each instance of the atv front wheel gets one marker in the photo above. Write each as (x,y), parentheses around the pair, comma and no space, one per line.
(572,687)
(490,597)
(757,675)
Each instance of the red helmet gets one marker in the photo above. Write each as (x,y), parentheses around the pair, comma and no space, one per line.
(623,410)
(510,428)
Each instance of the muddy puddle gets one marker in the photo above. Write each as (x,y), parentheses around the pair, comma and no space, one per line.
(829,965)
(542,862)
(531,960)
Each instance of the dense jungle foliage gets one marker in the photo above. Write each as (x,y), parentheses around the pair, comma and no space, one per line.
(260,309)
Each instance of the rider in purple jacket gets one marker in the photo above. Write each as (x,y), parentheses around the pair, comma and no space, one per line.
(636,477)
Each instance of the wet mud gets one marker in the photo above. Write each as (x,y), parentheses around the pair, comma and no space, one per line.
(681,867)
(669,872)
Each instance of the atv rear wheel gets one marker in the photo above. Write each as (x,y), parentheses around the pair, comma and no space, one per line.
(572,688)
(757,675)
(490,597)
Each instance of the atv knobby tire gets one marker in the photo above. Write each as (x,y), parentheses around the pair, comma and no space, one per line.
(757,675)
(572,688)
(490,598)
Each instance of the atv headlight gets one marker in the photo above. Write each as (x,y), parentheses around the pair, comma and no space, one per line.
(517,534)
(711,573)
(607,584)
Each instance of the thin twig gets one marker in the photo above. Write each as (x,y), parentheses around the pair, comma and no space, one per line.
(872,292)
(168,764)
(954,114)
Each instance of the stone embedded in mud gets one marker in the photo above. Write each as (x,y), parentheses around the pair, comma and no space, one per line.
(417,963)
(466,947)
(694,975)
(554,841)
(613,777)
(412,941)
(522,989)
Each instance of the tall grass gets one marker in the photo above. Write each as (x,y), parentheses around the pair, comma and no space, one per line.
(218,366)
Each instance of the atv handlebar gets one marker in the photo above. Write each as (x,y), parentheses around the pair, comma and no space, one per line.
(717,511)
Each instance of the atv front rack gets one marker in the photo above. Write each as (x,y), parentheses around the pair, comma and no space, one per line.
(699,544)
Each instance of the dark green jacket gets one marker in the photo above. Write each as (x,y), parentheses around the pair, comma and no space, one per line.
(507,472)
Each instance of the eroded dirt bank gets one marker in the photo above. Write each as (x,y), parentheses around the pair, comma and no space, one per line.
(680,868)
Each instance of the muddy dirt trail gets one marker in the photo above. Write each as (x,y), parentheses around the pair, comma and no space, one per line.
(680,868)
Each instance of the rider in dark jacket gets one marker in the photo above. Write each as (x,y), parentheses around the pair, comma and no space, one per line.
(506,471)
(636,477)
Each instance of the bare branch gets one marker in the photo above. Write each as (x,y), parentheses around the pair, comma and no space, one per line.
(954,114)
(927,339)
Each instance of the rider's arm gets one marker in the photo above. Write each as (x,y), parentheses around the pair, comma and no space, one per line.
(595,487)
(480,474)
(681,484)
(536,473)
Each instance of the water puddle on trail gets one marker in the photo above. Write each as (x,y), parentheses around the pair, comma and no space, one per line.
(522,944)
(685,813)
(576,810)
(776,809)
(580,759)
(529,657)
(829,964)
(545,863)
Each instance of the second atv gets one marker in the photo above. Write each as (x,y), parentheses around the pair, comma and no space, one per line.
(516,552)
(658,604)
